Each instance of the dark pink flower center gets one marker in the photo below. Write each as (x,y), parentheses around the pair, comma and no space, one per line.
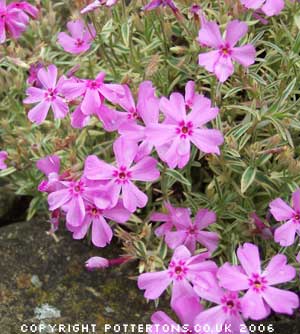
(231,303)
(258,283)
(225,50)
(50,94)
(93,84)
(94,212)
(192,230)
(122,175)
(296,218)
(177,270)
(184,129)
(77,188)
(79,42)
(133,114)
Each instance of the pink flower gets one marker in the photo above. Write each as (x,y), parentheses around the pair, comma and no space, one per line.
(13,20)
(261,228)
(269,7)
(261,296)
(101,231)
(164,3)
(145,112)
(120,177)
(3,156)
(97,4)
(26,8)
(73,199)
(47,96)
(219,61)
(96,262)
(81,37)
(227,311)
(182,271)
(50,166)
(32,79)
(188,233)
(186,308)
(173,215)
(54,220)
(93,94)
(285,234)
(173,137)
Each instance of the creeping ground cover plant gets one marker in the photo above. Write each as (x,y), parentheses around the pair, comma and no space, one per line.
(171,128)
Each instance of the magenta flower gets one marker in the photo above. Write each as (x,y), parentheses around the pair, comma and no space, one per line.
(101,231)
(73,199)
(145,112)
(182,271)
(26,7)
(13,20)
(269,7)
(219,61)
(81,37)
(47,96)
(188,233)
(97,4)
(285,234)
(173,215)
(120,177)
(173,137)
(32,79)
(3,156)
(50,166)
(96,262)
(261,296)
(93,94)
(54,220)
(261,228)
(163,3)
(228,309)
(186,308)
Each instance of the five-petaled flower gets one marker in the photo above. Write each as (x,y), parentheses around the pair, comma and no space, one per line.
(181,272)
(228,309)
(219,61)
(261,296)
(95,217)
(190,232)
(285,234)
(172,138)
(47,96)
(121,175)
(81,37)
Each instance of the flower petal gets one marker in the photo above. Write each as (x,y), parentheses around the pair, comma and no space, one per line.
(281,301)
(278,271)
(154,283)
(248,254)
(145,170)
(235,31)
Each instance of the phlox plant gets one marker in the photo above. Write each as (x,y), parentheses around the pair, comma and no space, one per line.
(174,127)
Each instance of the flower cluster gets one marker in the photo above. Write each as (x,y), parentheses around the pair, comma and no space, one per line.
(194,277)
(153,132)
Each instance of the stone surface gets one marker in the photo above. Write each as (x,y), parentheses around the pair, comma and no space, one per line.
(38,272)
(43,281)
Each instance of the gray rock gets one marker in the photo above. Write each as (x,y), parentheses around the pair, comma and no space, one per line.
(43,281)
